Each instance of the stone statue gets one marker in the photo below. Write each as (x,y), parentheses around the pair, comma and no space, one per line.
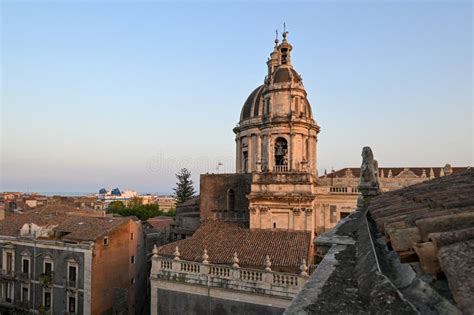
(369,174)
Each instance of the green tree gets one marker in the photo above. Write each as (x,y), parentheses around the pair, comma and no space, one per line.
(135,202)
(115,206)
(184,187)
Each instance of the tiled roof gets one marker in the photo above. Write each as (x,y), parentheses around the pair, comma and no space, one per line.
(433,222)
(160,222)
(286,249)
(74,227)
(418,171)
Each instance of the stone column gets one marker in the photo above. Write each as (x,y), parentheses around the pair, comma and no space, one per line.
(312,153)
(238,155)
(269,153)
(315,160)
(291,166)
(249,154)
(259,148)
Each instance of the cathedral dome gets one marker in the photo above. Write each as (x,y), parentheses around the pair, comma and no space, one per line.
(282,75)
(252,104)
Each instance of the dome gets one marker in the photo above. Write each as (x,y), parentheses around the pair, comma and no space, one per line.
(284,75)
(252,104)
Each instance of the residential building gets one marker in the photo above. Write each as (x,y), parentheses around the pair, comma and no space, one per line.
(72,263)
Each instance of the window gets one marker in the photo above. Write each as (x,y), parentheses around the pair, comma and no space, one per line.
(71,304)
(133,259)
(25,296)
(9,261)
(344,214)
(333,214)
(9,292)
(230,200)
(131,236)
(48,268)
(274,225)
(106,240)
(47,299)
(25,266)
(132,281)
(72,275)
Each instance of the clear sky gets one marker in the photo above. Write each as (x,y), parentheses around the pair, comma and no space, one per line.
(105,94)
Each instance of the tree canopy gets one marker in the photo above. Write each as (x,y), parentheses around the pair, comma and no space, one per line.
(184,187)
(141,211)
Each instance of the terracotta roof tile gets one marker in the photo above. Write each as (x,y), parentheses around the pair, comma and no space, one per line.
(74,227)
(434,222)
(286,249)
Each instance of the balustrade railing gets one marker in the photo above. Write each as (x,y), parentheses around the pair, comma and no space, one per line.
(220,271)
(250,275)
(283,279)
(190,267)
(280,168)
(237,278)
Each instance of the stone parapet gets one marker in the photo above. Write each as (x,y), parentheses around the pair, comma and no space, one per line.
(275,284)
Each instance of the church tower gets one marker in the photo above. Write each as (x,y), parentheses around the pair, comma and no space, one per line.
(276,141)
(276,131)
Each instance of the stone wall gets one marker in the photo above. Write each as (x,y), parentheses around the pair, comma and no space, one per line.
(174,302)
(214,195)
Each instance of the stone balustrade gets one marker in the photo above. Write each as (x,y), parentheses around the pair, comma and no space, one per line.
(268,282)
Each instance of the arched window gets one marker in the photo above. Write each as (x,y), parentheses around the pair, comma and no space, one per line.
(281,152)
(230,200)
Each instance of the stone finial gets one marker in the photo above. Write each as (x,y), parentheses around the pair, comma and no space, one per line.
(348,173)
(236,261)
(432,174)
(369,174)
(441,172)
(304,268)
(176,253)
(382,175)
(205,257)
(448,170)
(423,175)
(268,263)
(390,175)
(155,251)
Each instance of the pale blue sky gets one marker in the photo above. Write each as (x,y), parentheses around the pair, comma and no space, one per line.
(124,93)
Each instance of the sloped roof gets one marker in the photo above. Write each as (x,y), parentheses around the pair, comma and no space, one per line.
(433,223)
(74,227)
(286,249)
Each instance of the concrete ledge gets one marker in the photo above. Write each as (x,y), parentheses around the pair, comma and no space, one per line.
(310,292)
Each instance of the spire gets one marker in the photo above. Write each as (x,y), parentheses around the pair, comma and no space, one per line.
(274,59)
(285,48)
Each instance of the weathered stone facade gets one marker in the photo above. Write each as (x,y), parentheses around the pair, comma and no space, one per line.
(71,264)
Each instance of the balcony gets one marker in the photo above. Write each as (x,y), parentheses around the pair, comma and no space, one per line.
(23,305)
(24,276)
(280,168)
(46,279)
(9,274)
(72,284)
